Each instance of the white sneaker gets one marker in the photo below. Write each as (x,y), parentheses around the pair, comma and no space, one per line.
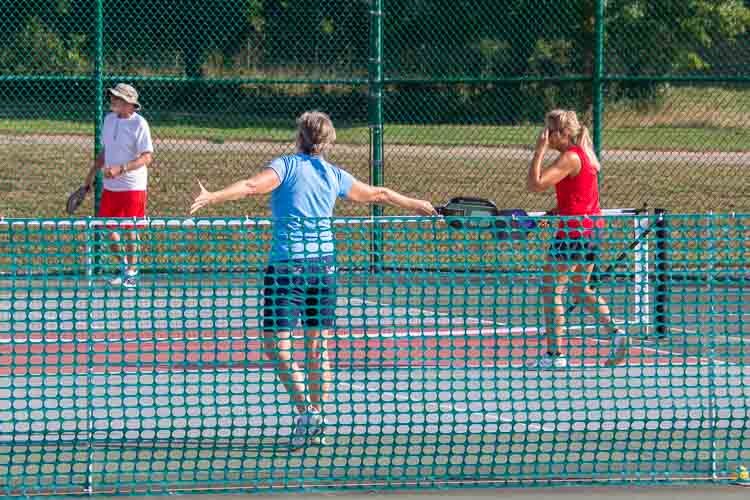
(620,348)
(308,427)
(131,281)
(548,362)
(126,278)
(117,280)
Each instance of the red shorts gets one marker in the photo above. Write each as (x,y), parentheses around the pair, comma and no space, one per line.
(125,204)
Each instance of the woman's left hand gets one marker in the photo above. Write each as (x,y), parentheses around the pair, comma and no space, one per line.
(543,140)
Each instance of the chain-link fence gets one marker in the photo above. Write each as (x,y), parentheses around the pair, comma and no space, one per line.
(436,99)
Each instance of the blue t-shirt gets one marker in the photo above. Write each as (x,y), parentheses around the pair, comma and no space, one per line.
(303,204)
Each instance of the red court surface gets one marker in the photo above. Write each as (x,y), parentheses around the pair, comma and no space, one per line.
(65,353)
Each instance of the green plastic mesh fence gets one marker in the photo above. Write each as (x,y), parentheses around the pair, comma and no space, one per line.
(435,374)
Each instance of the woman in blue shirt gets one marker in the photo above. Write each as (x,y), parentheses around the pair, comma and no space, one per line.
(300,278)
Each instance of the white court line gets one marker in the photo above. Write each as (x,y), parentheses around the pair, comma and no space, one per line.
(526,329)
(732,338)
(424,312)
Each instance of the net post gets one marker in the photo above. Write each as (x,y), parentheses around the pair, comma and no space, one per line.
(90,244)
(662,260)
(642,288)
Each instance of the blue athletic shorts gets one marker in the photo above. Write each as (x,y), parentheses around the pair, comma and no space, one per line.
(574,250)
(295,289)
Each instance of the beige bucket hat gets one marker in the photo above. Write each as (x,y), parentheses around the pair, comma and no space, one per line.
(125,92)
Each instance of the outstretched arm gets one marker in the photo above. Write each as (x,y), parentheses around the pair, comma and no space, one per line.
(364,193)
(264,182)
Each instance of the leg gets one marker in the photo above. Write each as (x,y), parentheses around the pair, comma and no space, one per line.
(597,306)
(115,246)
(280,316)
(320,312)
(584,294)
(108,208)
(318,367)
(119,279)
(277,347)
(555,283)
(131,251)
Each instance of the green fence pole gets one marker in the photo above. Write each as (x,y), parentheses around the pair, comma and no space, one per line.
(98,97)
(375,116)
(98,112)
(598,77)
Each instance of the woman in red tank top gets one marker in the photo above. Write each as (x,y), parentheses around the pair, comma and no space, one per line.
(574,174)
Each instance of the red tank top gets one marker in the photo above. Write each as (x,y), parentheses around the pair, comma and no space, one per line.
(579,195)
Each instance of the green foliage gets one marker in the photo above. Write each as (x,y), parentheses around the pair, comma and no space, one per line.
(424,40)
(38,50)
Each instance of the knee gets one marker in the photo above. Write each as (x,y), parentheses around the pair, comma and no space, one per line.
(582,292)
(270,350)
(317,344)
(271,347)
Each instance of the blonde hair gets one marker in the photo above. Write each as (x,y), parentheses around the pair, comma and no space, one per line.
(315,133)
(564,120)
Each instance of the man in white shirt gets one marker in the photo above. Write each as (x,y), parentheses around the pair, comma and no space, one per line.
(126,152)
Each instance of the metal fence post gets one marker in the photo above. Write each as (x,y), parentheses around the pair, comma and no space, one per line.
(375,117)
(98,96)
(598,77)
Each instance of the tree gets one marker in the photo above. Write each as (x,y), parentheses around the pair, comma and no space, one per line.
(669,37)
(191,28)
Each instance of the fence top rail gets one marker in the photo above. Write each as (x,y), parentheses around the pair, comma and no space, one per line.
(94,222)
(259,221)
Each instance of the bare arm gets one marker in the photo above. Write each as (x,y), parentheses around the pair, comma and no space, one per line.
(539,180)
(263,182)
(98,163)
(364,193)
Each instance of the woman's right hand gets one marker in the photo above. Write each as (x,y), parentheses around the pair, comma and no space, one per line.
(542,141)
(205,197)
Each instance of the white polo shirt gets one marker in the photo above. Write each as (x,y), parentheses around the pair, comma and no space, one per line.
(124,140)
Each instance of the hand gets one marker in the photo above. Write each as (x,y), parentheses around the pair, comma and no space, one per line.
(543,140)
(423,207)
(114,171)
(544,223)
(204,198)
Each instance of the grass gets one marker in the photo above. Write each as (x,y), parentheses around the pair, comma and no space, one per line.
(37,178)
